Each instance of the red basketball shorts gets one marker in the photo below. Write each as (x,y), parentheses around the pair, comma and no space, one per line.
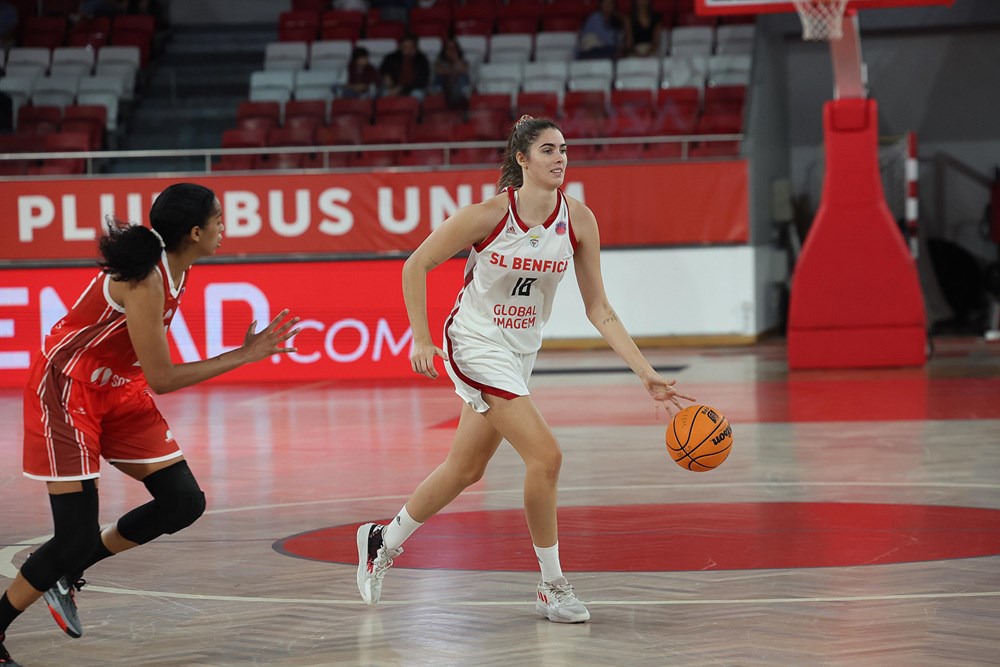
(69,425)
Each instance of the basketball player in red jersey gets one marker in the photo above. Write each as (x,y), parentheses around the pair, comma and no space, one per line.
(90,396)
(522,241)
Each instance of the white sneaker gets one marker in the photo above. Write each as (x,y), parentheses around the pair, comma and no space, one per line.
(557,602)
(374,560)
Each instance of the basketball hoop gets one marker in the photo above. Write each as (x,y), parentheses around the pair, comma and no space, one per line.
(822,20)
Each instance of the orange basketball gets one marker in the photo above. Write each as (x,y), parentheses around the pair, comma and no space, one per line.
(699,438)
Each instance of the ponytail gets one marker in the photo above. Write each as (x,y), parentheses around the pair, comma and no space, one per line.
(522,135)
(129,252)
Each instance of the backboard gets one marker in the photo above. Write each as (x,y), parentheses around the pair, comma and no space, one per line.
(728,7)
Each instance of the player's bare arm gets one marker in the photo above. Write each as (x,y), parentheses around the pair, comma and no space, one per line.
(467,227)
(143,303)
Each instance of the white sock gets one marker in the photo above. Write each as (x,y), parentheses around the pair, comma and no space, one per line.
(548,558)
(399,529)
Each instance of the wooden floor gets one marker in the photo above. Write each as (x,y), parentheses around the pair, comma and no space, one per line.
(857,522)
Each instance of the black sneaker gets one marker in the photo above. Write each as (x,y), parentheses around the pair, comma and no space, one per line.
(61,599)
(5,659)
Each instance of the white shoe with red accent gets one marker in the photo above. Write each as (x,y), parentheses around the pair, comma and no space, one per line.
(557,602)
(374,560)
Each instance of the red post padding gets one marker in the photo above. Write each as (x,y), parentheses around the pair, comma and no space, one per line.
(856,298)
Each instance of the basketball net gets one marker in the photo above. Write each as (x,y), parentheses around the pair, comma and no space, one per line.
(822,20)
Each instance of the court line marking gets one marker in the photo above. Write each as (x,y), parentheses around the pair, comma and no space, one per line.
(517,603)
(627,487)
(9,570)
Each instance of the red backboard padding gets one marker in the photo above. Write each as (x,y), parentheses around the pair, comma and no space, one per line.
(856,298)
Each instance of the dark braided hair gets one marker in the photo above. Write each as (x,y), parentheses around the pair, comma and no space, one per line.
(129,252)
(524,133)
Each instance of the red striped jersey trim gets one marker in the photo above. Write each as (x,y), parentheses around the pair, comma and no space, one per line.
(548,221)
(482,245)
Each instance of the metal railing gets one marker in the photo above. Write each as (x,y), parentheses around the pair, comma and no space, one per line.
(209,154)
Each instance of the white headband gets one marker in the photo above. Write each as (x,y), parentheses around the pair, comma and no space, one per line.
(158,237)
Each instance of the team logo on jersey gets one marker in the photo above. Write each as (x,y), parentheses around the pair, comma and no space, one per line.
(534,241)
(560,228)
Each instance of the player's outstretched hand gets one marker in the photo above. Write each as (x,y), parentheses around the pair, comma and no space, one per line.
(422,359)
(665,394)
(268,341)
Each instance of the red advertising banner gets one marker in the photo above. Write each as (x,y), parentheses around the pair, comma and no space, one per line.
(354,323)
(636,205)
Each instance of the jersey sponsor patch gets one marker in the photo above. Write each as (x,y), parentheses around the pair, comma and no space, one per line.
(560,228)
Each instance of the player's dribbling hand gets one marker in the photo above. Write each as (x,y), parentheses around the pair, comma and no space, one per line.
(422,359)
(664,393)
(268,341)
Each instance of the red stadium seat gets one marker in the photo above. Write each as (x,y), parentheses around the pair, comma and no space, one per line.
(278,161)
(38,120)
(271,110)
(716,149)
(720,123)
(537,104)
(342,130)
(44,31)
(426,158)
(264,123)
(494,101)
(432,133)
(582,128)
(143,23)
(724,99)
(240,138)
(63,142)
(310,123)
(94,31)
(383,134)
(444,119)
(298,26)
(485,125)
(484,156)
(89,119)
(632,103)
(134,38)
(621,152)
(351,107)
(300,108)
(391,30)
(397,109)
(627,126)
(589,103)
(662,151)
(374,159)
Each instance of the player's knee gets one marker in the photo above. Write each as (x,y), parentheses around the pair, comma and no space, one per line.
(548,463)
(186,508)
(471,474)
(179,499)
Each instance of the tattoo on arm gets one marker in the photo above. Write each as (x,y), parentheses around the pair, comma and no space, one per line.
(609,320)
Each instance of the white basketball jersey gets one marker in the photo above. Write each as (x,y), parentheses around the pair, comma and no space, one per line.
(512,275)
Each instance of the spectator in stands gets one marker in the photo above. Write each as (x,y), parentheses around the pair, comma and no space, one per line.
(406,71)
(600,36)
(643,30)
(451,74)
(8,24)
(362,77)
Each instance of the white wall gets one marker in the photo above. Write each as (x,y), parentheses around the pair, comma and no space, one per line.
(709,291)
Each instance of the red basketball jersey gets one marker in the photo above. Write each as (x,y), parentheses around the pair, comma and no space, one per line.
(91,343)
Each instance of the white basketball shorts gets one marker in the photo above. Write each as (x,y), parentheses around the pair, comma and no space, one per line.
(478,365)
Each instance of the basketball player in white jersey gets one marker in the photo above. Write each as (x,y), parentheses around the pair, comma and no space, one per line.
(522,241)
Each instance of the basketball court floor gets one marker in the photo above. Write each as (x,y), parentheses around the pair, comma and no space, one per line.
(856,522)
